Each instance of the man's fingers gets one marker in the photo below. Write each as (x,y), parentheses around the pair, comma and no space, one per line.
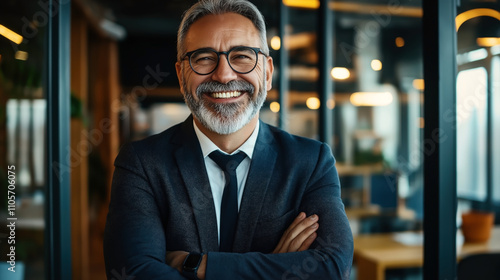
(307,243)
(302,225)
(302,241)
(285,235)
(299,235)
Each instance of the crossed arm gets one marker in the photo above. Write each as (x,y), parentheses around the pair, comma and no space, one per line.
(135,219)
(298,237)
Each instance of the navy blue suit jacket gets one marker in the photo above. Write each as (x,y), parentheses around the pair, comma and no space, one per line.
(161,201)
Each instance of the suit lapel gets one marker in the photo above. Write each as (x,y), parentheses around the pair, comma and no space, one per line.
(259,175)
(193,171)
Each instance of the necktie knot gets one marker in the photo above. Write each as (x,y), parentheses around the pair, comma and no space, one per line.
(228,163)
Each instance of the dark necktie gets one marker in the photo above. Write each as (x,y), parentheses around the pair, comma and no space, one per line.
(229,205)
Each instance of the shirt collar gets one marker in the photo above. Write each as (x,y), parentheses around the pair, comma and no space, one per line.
(207,146)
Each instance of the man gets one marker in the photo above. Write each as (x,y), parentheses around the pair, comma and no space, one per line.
(176,212)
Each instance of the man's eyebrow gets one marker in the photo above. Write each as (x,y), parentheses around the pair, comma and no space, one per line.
(230,47)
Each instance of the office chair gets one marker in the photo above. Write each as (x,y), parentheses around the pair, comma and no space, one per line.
(479,266)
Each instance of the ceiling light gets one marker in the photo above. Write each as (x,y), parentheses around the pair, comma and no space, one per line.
(371,98)
(274,106)
(481,12)
(376,65)
(11,35)
(306,4)
(340,73)
(113,29)
(313,103)
(400,42)
(276,43)
(419,84)
(488,41)
(20,55)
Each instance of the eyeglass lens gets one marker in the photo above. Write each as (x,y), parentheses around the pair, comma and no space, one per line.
(241,59)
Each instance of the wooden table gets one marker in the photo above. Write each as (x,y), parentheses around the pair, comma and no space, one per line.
(374,253)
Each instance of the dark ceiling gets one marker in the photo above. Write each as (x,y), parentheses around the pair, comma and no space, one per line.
(151,27)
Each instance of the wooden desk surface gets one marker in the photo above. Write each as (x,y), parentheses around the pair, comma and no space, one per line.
(374,253)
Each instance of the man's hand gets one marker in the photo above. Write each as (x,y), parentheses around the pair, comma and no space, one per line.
(175,259)
(299,235)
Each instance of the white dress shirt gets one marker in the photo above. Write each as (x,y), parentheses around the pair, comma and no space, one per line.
(216,175)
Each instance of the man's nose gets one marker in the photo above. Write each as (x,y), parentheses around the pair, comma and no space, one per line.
(224,73)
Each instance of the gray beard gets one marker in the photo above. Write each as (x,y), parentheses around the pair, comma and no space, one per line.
(224,118)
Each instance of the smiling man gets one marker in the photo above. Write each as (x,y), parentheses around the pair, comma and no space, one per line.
(223,195)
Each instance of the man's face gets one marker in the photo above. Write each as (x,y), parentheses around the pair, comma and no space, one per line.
(224,101)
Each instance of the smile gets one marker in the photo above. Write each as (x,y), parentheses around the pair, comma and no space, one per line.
(225,95)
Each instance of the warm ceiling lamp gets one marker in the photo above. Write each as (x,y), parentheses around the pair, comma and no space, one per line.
(400,42)
(274,106)
(371,98)
(20,55)
(340,73)
(488,41)
(481,12)
(306,4)
(376,65)
(419,84)
(313,103)
(276,43)
(11,35)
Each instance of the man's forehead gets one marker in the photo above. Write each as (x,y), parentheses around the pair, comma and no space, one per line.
(225,20)
(222,27)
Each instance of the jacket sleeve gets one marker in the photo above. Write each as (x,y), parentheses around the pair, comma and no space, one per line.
(134,238)
(329,257)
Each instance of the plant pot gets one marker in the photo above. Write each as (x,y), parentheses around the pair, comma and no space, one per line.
(477,226)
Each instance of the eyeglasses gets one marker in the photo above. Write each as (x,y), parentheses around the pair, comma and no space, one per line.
(241,59)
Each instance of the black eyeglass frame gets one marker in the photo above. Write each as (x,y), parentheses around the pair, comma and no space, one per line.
(256,50)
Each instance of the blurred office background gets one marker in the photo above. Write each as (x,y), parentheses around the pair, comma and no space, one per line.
(124,88)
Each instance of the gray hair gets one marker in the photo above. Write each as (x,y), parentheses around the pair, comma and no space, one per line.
(218,7)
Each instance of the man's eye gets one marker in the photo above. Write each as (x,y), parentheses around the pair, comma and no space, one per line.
(241,56)
(204,59)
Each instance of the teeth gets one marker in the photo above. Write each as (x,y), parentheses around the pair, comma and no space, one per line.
(229,94)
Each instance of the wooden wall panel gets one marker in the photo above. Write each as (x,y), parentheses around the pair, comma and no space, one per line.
(79,150)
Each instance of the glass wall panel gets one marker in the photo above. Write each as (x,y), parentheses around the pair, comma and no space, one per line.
(378,131)
(302,72)
(22,139)
(478,41)
(495,94)
(478,122)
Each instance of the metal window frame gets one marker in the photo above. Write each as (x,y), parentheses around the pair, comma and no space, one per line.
(440,192)
(57,88)
(325,83)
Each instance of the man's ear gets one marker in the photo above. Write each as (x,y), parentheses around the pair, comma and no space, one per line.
(269,73)
(178,69)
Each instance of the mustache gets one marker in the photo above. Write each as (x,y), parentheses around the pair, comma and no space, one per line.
(235,85)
